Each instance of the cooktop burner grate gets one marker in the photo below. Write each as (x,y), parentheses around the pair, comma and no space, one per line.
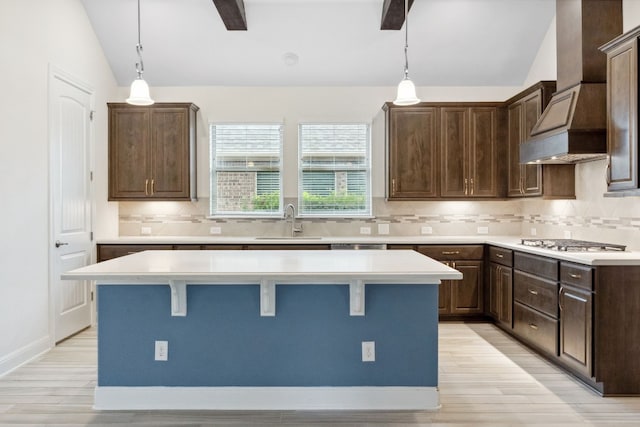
(572,245)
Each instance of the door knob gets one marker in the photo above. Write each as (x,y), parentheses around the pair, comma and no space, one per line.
(59,243)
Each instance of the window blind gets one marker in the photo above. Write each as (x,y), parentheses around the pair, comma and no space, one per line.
(334,169)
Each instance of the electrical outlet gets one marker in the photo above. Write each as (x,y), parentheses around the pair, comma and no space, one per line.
(365,230)
(383,228)
(534,231)
(483,230)
(567,234)
(425,229)
(215,230)
(162,351)
(145,231)
(368,351)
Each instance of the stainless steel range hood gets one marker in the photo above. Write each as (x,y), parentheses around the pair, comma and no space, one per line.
(573,126)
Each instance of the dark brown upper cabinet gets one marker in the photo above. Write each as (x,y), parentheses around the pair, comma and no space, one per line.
(469,146)
(412,153)
(622,114)
(523,111)
(152,151)
(442,151)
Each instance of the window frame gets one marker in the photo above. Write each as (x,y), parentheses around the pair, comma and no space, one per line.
(368,174)
(213,171)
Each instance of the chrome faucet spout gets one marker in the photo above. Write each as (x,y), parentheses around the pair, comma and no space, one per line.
(290,211)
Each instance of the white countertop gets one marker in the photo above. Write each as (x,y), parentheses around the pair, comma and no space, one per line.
(510,242)
(297,266)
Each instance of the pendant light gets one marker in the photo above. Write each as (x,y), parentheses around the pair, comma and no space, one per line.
(406,88)
(139,94)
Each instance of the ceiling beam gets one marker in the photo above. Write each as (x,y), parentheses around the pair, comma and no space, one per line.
(232,14)
(393,14)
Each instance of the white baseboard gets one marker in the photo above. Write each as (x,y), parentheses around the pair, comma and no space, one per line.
(23,355)
(267,398)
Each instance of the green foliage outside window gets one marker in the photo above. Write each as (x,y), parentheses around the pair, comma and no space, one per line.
(330,202)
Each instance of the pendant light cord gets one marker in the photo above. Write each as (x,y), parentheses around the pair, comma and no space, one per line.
(139,65)
(406,38)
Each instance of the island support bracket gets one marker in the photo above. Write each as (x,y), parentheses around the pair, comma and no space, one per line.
(267,298)
(178,297)
(356,298)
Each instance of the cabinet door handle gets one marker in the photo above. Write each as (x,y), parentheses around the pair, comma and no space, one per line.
(533,326)
(560,293)
(608,171)
(522,171)
(472,189)
(153,186)
(466,186)
(499,256)
(453,264)
(393,187)
(450,252)
(575,276)
(146,187)
(533,292)
(575,297)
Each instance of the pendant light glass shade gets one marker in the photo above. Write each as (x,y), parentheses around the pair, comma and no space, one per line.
(139,93)
(406,88)
(406,93)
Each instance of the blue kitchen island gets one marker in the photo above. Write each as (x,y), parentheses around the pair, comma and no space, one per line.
(263,330)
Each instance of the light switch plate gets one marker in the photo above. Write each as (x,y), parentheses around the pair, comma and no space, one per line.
(365,230)
(215,230)
(483,230)
(567,234)
(534,231)
(145,231)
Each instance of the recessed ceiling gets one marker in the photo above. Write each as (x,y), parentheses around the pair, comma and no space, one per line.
(323,42)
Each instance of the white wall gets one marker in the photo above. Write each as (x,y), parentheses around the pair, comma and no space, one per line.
(33,35)
(630,14)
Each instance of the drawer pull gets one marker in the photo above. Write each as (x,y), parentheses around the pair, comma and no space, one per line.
(450,252)
(499,256)
(532,292)
(575,276)
(533,326)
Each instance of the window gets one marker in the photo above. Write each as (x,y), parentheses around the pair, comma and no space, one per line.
(334,170)
(246,166)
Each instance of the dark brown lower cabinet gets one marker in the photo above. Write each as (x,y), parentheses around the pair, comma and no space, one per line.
(501,294)
(459,298)
(576,307)
(535,301)
(500,300)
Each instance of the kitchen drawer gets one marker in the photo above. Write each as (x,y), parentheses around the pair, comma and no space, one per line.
(452,252)
(501,256)
(537,293)
(106,252)
(536,328)
(537,265)
(577,275)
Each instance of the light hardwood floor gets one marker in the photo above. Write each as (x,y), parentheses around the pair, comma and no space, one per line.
(486,379)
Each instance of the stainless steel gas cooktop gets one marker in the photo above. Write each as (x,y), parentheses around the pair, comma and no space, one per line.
(572,245)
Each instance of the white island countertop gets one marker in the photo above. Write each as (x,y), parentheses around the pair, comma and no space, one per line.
(251,266)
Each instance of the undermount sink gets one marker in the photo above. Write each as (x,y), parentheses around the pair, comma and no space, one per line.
(289,238)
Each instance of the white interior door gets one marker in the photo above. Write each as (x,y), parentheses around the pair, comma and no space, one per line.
(70,179)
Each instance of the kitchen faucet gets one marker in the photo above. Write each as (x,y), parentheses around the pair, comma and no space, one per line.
(295,228)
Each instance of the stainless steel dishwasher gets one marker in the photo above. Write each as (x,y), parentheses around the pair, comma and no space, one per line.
(359,246)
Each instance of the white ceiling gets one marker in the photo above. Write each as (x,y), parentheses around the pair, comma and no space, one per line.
(338,42)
